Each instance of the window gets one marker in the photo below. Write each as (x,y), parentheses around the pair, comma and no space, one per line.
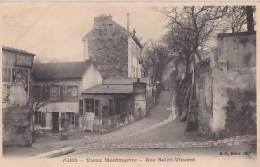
(56,92)
(37,118)
(37,92)
(81,113)
(71,118)
(110,106)
(72,91)
(89,105)
(96,107)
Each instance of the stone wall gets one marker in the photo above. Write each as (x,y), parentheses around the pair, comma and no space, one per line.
(16,127)
(139,90)
(234,71)
(223,96)
(204,96)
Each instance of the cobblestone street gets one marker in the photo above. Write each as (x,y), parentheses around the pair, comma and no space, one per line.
(164,132)
(160,130)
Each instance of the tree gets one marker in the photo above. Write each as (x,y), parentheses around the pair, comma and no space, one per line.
(194,27)
(238,16)
(157,58)
(40,97)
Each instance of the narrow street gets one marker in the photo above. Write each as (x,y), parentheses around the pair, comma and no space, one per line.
(159,128)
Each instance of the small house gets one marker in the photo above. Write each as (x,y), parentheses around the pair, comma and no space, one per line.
(115,103)
(59,87)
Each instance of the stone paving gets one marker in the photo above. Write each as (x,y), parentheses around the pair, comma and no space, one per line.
(118,141)
(232,141)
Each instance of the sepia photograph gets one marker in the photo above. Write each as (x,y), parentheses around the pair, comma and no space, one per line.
(129,83)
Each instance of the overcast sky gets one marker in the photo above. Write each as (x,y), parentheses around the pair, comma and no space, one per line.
(55,30)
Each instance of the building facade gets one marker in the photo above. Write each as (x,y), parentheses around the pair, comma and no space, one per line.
(116,51)
(113,104)
(59,85)
(16,91)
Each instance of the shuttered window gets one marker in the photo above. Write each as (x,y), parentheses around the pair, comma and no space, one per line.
(37,118)
(43,119)
(96,107)
(110,106)
(71,117)
(89,105)
(81,113)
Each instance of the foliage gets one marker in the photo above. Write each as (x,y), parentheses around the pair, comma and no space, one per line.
(236,18)
(157,58)
(191,28)
(241,115)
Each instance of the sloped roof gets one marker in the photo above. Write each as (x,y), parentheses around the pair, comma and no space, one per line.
(17,50)
(123,81)
(110,89)
(56,71)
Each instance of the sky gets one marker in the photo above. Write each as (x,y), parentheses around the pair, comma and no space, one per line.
(54,30)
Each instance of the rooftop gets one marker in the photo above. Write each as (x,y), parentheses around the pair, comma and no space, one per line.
(110,89)
(56,71)
(236,34)
(123,81)
(109,20)
(17,50)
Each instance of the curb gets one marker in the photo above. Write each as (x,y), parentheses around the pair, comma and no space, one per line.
(232,141)
(55,153)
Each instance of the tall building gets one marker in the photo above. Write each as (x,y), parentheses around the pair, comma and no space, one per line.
(116,51)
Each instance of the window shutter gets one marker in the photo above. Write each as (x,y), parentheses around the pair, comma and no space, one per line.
(81,108)
(61,92)
(76,119)
(43,121)
(48,92)
(44,93)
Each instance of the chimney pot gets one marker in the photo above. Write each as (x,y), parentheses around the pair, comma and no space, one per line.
(134,32)
(128,22)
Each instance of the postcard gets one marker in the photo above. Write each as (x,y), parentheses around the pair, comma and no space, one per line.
(129,83)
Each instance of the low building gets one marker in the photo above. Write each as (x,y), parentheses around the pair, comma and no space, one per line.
(115,103)
(59,86)
(16,90)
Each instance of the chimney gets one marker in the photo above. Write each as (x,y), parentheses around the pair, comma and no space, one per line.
(101,20)
(250,19)
(134,32)
(128,22)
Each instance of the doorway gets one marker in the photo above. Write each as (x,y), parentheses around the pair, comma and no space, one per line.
(55,122)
